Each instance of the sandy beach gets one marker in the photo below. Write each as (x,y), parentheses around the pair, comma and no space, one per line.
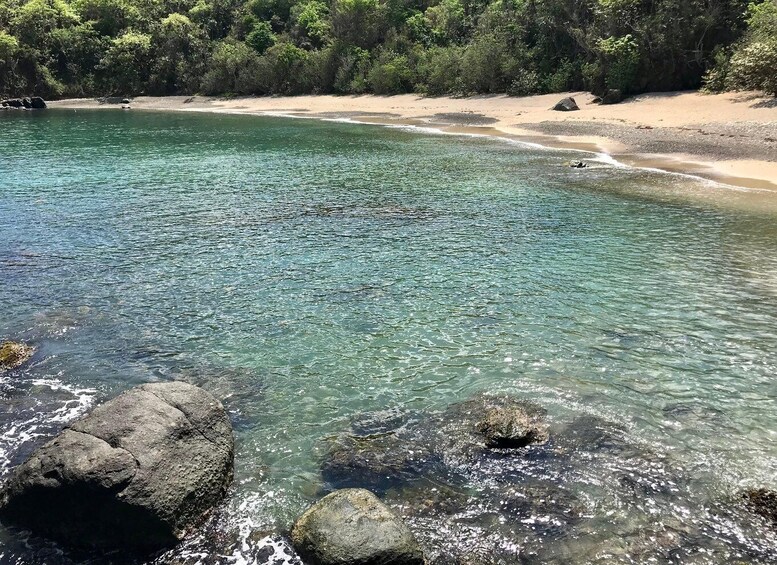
(731,138)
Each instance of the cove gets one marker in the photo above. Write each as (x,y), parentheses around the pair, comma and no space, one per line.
(312,274)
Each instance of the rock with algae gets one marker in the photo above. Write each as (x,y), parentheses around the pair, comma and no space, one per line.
(14,354)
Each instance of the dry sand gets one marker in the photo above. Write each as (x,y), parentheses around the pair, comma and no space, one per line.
(730,137)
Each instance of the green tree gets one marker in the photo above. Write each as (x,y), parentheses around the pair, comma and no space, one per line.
(126,64)
(108,17)
(311,23)
(446,22)
(619,58)
(34,21)
(261,37)
(180,54)
(390,74)
(9,47)
(357,22)
(286,66)
(237,69)
(77,52)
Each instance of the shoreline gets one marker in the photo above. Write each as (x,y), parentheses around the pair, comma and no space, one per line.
(727,138)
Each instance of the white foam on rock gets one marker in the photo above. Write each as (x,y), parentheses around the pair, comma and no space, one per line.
(40,418)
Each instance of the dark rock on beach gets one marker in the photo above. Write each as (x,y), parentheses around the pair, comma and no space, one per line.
(566,105)
(13,354)
(353,527)
(137,473)
(612,96)
(33,103)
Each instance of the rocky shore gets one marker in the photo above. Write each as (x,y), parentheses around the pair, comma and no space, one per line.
(26,103)
(147,470)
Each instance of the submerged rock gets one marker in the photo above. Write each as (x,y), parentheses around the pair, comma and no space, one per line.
(578,164)
(763,502)
(378,462)
(137,473)
(493,422)
(14,354)
(353,527)
(512,427)
(567,104)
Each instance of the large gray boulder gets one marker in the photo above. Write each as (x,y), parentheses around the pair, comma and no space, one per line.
(137,473)
(353,527)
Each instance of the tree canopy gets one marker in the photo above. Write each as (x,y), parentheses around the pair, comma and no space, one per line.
(128,47)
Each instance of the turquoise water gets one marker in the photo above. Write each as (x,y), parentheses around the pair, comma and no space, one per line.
(307,272)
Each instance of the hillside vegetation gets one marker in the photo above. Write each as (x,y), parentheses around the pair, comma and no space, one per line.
(61,48)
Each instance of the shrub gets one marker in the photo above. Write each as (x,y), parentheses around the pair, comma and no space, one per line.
(754,67)
(440,70)
(391,74)
(126,63)
(621,62)
(482,65)
(235,68)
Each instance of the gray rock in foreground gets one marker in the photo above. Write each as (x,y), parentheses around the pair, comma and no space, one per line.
(137,473)
(353,527)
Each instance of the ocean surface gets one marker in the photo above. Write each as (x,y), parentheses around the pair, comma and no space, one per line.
(310,273)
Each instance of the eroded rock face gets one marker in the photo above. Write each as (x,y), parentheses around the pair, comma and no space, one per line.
(14,354)
(353,527)
(137,473)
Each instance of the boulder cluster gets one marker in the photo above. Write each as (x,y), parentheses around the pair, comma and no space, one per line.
(145,469)
(609,96)
(27,103)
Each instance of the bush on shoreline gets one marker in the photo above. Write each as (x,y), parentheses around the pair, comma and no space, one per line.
(61,48)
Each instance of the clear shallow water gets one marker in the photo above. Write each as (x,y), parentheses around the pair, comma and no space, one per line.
(307,272)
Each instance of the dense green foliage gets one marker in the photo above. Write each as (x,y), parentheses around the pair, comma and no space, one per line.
(752,63)
(121,47)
